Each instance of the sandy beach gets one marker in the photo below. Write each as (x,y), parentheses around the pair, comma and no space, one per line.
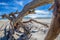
(40,35)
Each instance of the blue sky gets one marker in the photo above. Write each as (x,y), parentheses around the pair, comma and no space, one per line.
(8,6)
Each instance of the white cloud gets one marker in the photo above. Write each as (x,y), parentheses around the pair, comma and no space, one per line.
(42,12)
(33,16)
(19,3)
(3,3)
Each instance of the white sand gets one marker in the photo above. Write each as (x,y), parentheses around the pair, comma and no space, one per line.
(38,35)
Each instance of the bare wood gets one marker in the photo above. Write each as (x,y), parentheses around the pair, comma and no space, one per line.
(36,22)
(55,26)
(12,14)
(54,30)
(10,17)
(52,7)
(7,16)
(31,5)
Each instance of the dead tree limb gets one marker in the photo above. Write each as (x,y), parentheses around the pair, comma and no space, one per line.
(52,7)
(13,15)
(7,16)
(36,22)
(55,26)
(31,5)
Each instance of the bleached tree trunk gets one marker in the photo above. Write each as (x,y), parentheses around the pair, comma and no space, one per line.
(55,25)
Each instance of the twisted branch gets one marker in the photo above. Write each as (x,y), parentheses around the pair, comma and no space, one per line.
(31,5)
(36,22)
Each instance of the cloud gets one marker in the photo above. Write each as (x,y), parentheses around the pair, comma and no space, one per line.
(42,12)
(19,3)
(2,3)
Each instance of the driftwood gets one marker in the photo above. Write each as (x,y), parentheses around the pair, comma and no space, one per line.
(29,6)
(7,16)
(52,7)
(21,24)
(36,22)
(55,25)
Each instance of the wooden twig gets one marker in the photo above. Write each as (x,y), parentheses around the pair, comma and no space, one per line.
(52,7)
(36,22)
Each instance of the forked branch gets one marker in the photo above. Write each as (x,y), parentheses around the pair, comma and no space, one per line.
(36,22)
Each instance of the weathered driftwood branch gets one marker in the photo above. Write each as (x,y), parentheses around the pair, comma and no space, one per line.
(36,22)
(31,5)
(13,15)
(1,27)
(55,26)
(7,16)
(52,7)
(27,31)
(4,25)
(27,8)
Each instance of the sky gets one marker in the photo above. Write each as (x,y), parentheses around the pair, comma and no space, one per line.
(8,6)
